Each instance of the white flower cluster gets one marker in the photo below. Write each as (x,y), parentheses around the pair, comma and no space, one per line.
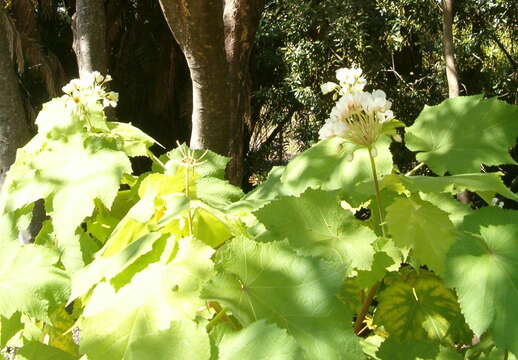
(90,89)
(358,115)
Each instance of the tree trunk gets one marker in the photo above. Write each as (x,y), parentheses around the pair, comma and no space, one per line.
(14,129)
(216,38)
(451,72)
(89,28)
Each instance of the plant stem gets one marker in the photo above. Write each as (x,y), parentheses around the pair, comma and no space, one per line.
(412,172)
(155,159)
(365,308)
(187,193)
(216,318)
(378,194)
(372,291)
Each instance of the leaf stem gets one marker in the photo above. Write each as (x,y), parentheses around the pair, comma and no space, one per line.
(378,194)
(187,193)
(412,172)
(372,291)
(216,318)
(154,158)
(365,308)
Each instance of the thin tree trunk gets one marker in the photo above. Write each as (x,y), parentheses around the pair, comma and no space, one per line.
(14,129)
(89,28)
(451,72)
(241,19)
(216,38)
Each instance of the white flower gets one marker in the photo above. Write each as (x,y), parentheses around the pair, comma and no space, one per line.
(331,128)
(358,116)
(351,79)
(328,87)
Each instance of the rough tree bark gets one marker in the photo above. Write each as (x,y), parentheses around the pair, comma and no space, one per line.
(216,38)
(14,129)
(451,72)
(89,28)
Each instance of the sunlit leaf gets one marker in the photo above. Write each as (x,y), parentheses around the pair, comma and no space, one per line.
(29,281)
(460,134)
(423,227)
(483,268)
(335,164)
(259,341)
(269,281)
(316,224)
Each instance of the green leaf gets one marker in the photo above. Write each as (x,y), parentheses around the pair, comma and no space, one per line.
(487,182)
(217,193)
(108,267)
(456,210)
(35,350)
(135,141)
(182,340)
(392,349)
(335,164)
(423,227)
(29,281)
(417,306)
(269,281)
(389,127)
(70,176)
(209,229)
(460,134)
(211,164)
(380,263)
(9,326)
(113,321)
(270,189)
(259,341)
(316,224)
(483,268)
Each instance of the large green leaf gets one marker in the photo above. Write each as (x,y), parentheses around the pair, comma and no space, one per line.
(483,268)
(113,321)
(269,281)
(134,141)
(335,164)
(108,267)
(216,192)
(391,349)
(417,306)
(9,327)
(456,210)
(316,224)
(259,341)
(70,175)
(417,224)
(29,281)
(486,183)
(460,134)
(208,163)
(182,340)
(35,350)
